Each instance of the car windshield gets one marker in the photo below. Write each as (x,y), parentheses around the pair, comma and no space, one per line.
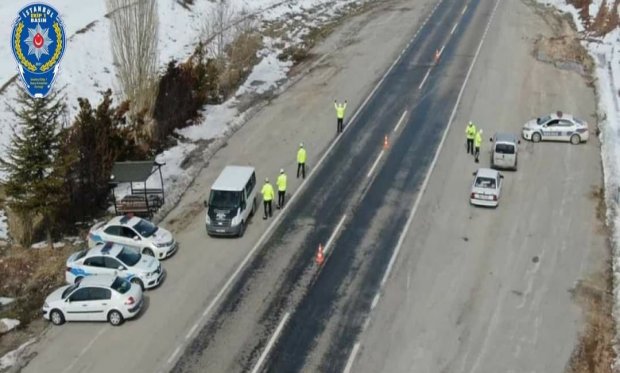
(128,256)
(224,199)
(145,228)
(542,120)
(485,182)
(121,285)
(69,290)
(505,148)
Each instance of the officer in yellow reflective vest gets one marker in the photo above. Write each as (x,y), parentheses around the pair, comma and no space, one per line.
(267,193)
(301,161)
(281,183)
(477,144)
(470,133)
(340,108)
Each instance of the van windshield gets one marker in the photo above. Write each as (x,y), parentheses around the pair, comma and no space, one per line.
(224,199)
(504,149)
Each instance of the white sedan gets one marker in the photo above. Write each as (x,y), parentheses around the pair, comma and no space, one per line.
(486,188)
(96,298)
(556,127)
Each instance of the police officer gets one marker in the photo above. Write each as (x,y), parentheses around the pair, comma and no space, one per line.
(267,193)
(470,133)
(301,161)
(281,183)
(340,108)
(477,143)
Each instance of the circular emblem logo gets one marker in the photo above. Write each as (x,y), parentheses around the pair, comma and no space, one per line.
(38,43)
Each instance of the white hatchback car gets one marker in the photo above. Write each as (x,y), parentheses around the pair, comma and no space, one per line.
(114,259)
(486,188)
(134,232)
(556,127)
(100,298)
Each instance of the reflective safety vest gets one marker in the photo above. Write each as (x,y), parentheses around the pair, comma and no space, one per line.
(267,192)
(301,155)
(281,182)
(470,131)
(478,140)
(340,108)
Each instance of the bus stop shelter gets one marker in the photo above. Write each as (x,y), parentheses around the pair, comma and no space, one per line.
(140,201)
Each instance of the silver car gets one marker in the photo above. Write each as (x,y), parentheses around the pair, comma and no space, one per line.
(556,126)
(505,150)
(486,188)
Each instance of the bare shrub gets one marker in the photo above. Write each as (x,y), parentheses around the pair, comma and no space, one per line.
(218,27)
(134,36)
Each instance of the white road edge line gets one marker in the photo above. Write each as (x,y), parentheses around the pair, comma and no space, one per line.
(374,165)
(425,77)
(275,221)
(191,331)
(454,28)
(84,350)
(271,342)
(174,354)
(375,301)
(438,150)
(428,174)
(400,121)
(334,233)
(464,9)
(442,48)
(349,365)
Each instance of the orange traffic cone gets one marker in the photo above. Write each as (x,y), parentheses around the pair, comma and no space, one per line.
(320,258)
(385,142)
(436,58)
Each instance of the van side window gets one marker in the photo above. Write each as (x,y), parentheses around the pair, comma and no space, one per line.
(250,185)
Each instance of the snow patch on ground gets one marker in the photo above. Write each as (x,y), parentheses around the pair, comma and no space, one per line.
(12,358)
(6,325)
(44,244)
(4,226)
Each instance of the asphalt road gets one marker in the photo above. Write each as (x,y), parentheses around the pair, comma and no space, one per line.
(357,206)
(479,290)
(347,66)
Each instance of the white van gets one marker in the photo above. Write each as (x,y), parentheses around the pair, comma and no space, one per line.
(505,151)
(231,202)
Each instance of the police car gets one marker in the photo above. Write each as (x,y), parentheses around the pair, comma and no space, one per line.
(556,126)
(96,298)
(132,231)
(114,259)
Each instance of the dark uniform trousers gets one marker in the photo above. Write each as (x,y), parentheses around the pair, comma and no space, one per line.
(301,167)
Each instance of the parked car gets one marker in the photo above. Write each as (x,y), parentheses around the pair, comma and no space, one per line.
(556,126)
(504,153)
(114,259)
(135,232)
(100,298)
(486,188)
(232,201)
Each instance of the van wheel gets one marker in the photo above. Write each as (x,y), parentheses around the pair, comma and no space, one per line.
(242,229)
(253,207)
(575,139)
(536,137)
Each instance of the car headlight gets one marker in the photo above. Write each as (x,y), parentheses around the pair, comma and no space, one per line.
(163,244)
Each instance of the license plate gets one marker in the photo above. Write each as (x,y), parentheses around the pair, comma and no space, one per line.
(220,230)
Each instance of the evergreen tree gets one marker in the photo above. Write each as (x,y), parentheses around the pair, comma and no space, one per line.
(35,172)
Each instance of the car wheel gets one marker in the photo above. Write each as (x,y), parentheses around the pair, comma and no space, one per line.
(575,139)
(536,137)
(242,229)
(138,282)
(115,318)
(78,279)
(56,317)
(148,252)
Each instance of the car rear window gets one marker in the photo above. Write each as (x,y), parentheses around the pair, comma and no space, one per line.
(505,148)
(121,285)
(485,182)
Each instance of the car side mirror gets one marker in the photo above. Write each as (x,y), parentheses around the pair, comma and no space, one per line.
(206,204)
(490,139)
(501,176)
(242,206)
(136,238)
(518,141)
(121,268)
(473,173)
